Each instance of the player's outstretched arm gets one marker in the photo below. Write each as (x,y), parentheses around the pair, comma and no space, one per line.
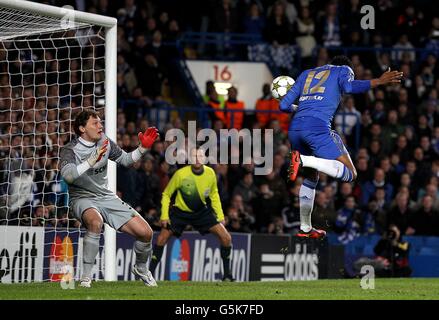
(387,78)
(146,139)
(349,85)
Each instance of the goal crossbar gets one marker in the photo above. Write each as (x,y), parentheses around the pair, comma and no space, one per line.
(56,12)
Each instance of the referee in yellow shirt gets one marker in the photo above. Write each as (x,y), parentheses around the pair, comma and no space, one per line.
(196,202)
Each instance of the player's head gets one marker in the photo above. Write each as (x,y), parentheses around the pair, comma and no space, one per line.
(88,126)
(342,61)
(197,157)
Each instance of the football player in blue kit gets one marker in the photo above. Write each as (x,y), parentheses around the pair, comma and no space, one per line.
(315,146)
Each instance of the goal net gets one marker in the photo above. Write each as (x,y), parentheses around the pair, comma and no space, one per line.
(51,68)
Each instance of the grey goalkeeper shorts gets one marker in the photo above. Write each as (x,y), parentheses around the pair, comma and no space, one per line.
(113,210)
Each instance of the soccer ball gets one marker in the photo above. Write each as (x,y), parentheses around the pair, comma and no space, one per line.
(280,86)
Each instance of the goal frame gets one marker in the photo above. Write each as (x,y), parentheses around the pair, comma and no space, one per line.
(110,25)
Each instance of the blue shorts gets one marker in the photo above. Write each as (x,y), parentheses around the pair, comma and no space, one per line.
(320,142)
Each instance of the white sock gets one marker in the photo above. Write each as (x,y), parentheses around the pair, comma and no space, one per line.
(307,193)
(333,168)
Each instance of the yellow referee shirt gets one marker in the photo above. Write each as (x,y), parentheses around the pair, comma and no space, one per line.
(192,191)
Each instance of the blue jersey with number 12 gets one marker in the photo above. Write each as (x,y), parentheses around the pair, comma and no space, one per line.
(319,92)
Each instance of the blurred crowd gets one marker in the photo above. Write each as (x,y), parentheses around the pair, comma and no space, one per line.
(392,132)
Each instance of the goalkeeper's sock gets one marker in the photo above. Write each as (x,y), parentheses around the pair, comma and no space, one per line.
(333,168)
(143,252)
(90,251)
(306,200)
(225,255)
(156,257)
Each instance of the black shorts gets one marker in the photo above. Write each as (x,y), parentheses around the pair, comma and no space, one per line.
(202,220)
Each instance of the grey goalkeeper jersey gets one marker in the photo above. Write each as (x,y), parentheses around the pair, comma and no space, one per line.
(94,182)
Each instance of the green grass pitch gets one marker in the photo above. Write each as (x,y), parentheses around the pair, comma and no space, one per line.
(385,289)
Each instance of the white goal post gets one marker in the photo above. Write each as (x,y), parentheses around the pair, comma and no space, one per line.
(21,19)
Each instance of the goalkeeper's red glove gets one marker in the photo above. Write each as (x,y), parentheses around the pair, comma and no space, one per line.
(148,138)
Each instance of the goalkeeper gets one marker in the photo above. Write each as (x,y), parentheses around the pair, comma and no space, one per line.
(196,202)
(84,167)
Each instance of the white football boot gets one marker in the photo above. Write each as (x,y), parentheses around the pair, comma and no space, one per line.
(147,277)
(85,282)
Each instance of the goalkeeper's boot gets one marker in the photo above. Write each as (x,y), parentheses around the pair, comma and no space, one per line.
(312,234)
(85,282)
(145,276)
(295,165)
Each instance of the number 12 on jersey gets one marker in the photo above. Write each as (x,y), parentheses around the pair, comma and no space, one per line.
(318,88)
